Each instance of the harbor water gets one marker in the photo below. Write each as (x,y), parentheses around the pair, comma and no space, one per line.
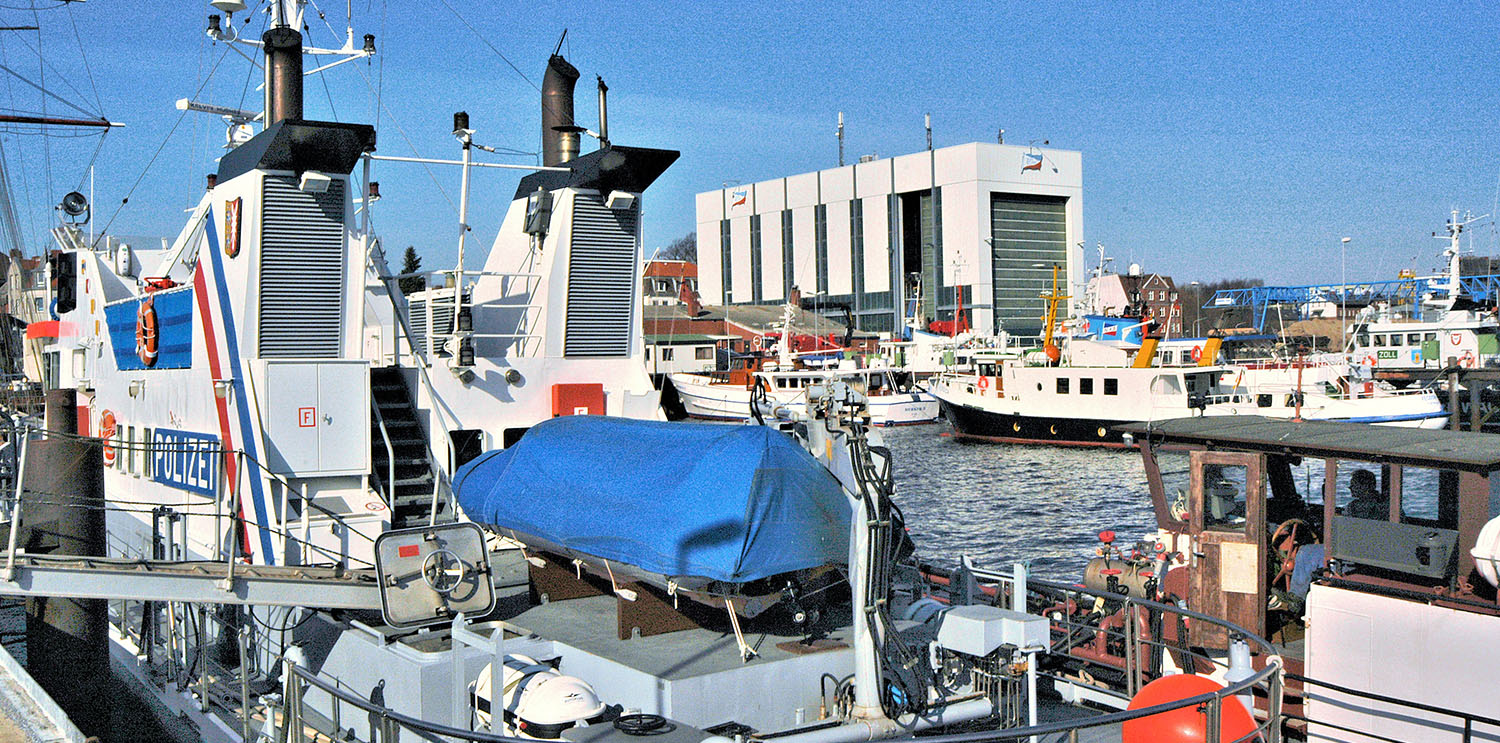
(999,503)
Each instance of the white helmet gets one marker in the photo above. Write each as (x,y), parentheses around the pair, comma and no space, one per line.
(538,701)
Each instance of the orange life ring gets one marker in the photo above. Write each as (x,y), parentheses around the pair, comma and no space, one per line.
(1368,360)
(107,430)
(984,382)
(146,332)
(1197,353)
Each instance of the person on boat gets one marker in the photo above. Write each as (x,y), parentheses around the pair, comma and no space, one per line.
(1367,502)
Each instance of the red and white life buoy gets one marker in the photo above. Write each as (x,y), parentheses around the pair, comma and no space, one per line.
(757,342)
(1197,353)
(146,329)
(107,431)
(1368,360)
(1467,360)
(984,383)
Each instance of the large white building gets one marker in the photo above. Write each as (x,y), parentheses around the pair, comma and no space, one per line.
(862,235)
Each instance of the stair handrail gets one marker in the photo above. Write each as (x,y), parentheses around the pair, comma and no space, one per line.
(390,456)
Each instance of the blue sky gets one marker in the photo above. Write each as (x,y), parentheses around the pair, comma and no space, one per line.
(1218,140)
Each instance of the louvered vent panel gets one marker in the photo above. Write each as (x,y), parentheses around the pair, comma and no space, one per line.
(418,321)
(301,270)
(601,279)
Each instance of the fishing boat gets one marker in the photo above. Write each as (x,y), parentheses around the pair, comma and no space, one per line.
(1367,555)
(893,399)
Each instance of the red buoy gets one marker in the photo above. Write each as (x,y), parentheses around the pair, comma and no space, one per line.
(1185,724)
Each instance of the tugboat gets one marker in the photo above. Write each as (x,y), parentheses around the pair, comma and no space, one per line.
(1367,555)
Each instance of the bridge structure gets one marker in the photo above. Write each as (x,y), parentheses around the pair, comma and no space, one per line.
(1259,299)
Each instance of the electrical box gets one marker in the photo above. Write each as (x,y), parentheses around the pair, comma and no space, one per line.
(979,630)
(317,417)
(577,399)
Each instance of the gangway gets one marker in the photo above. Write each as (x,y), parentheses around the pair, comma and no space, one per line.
(211,582)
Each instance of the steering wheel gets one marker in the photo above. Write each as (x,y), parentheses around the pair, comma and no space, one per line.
(1288,537)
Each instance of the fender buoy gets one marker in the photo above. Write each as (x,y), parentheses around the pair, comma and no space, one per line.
(107,430)
(146,332)
(1197,353)
(1184,724)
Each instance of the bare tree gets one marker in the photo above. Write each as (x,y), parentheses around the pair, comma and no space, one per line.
(684,248)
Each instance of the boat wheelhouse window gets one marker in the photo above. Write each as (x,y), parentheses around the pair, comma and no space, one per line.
(1413,339)
(781,383)
(1263,401)
(1360,493)
(703,353)
(1192,383)
(1062,385)
(1111,386)
(1431,336)
(1086,386)
(1364,339)
(666,354)
(1379,341)
(1224,497)
(1166,384)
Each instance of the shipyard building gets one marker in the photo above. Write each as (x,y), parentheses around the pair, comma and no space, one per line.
(862,235)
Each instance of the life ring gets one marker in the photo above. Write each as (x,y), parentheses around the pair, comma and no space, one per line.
(1016,426)
(146,328)
(1053,429)
(1197,353)
(107,430)
(756,342)
(984,383)
(1368,360)
(1467,360)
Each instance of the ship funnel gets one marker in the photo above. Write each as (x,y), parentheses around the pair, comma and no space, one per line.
(559,133)
(284,74)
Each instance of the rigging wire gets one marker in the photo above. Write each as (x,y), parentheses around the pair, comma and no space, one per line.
(49,94)
(42,74)
(155,154)
(59,75)
(83,55)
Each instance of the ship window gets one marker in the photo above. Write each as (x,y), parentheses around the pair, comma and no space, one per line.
(1364,339)
(1263,401)
(1111,386)
(1413,339)
(510,436)
(703,353)
(1224,497)
(781,383)
(1062,385)
(1166,384)
(666,354)
(1086,386)
(146,447)
(1380,341)
(1429,336)
(130,450)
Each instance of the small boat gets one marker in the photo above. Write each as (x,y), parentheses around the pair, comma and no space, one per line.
(893,399)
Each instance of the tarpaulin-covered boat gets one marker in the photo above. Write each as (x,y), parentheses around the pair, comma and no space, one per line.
(713,509)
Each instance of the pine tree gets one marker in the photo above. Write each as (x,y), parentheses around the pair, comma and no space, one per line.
(412,263)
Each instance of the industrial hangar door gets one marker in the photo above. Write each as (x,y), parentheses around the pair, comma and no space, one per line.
(1028,235)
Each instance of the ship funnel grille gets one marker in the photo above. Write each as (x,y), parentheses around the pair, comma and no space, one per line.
(601,279)
(301,270)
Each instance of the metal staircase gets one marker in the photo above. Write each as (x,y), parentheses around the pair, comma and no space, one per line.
(402,462)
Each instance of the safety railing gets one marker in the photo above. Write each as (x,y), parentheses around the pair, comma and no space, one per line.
(1467,718)
(1141,652)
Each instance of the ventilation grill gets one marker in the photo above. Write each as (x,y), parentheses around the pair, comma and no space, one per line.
(417,320)
(301,270)
(601,279)
(432,310)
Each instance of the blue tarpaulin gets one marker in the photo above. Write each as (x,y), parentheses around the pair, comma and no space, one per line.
(729,503)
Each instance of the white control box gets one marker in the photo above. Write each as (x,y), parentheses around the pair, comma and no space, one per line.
(979,630)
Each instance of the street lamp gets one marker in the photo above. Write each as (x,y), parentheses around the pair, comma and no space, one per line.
(1343,295)
(1197,307)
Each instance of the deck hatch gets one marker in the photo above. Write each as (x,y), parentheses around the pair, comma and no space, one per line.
(301,270)
(601,279)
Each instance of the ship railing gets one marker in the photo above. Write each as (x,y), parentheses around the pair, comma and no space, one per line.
(1467,718)
(1142,655)
(390,457)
